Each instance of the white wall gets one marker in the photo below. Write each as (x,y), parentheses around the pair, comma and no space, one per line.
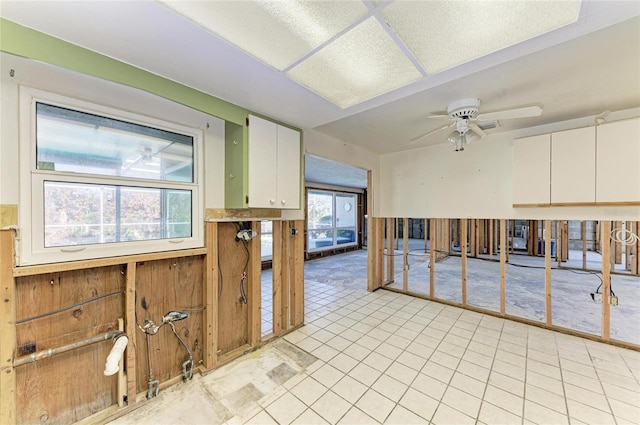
(437,182)
(328,147)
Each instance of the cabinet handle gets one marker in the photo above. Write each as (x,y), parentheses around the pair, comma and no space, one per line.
(283,202)
(272,201)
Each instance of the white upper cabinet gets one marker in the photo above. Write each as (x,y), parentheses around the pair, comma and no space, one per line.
(274,165)
(618,162)
(573,167)
(531,171)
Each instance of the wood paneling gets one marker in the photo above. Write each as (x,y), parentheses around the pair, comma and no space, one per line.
(163,286)
(232,313)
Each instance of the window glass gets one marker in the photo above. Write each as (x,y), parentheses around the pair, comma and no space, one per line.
(74,141)
(331,219)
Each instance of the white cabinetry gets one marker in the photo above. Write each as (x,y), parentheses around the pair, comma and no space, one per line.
(618,162)
(274,165)
(573,167)
(531,171)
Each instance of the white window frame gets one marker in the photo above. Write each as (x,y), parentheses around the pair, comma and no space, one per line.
(31,245)
(334,225)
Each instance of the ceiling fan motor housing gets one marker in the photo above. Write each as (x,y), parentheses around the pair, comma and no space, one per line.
(464,108)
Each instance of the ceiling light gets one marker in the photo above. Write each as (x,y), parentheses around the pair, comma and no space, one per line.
(363,63)
(276,32)
(443,34)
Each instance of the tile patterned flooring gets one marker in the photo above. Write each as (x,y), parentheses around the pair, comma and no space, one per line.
(384,357)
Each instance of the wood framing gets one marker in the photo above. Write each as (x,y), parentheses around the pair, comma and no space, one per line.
(254,287)
(132,333)
(405,253)
(391,236)
(463,253)
(432,257)
(606,277)
(276,279)
(503,264)
(7,330)
(298,275)
(547,272)
(211,282)
(285,276)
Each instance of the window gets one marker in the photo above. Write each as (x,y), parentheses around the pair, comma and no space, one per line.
(331,219)
(103,182)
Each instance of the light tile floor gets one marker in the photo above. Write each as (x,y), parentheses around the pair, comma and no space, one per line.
(385,357)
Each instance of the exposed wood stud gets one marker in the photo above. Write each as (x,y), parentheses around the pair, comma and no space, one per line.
(463,249)
(547,271)
(391,236)
(405,253)
(7,330)
(503,264)
(132,332)
(276,277)
(605,241)
(432,257)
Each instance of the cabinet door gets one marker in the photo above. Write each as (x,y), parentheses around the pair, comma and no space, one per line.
(573,167)
(531,171)
(618,162)
(288,176)
(262,163)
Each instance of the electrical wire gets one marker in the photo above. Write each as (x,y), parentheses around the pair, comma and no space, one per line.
(243,294)
(61,310)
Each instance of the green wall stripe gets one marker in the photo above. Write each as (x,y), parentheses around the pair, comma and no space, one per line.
(26,42)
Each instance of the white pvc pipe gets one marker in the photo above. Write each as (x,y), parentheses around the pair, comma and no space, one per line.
(112,364)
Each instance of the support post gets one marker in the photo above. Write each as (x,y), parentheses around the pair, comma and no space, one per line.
(391,236)
(605,241)
(132,332)
(211,282)
(254,278)
(463,251)
(547,270)
(276,278)
(297,297)
(503,263)
(7,329)
(583,235)
(405,254)
(432,258)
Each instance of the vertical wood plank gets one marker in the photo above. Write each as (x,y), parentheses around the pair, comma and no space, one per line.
(432,257)
(380,255)
(491,236)
(463,249)
(547,270)
(276,277)
(132,332)
(211,282)
(7,330)
(503,264)
(371,244)
(405,254)
(298,275)
(391,235)
(583,235)
(254,283)
(559,242)
(605,241)
(286,276)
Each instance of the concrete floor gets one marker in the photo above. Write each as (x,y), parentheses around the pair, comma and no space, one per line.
(572,306)
(384,357)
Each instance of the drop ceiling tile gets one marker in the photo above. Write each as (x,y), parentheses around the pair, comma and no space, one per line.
(276,32)
(363,63)
(443,34)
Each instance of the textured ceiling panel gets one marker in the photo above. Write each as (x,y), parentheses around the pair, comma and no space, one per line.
(275,32)
(443,34)
(362,64)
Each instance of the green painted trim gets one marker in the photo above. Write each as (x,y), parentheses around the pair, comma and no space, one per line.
(26,42)
(234,170)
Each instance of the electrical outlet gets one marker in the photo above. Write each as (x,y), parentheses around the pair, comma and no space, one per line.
(613,300)
(293,231)
(596,297)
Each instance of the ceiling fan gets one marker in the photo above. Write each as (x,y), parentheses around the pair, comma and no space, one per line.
(464,115)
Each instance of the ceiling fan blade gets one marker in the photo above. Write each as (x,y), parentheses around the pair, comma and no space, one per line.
(422,136)
(477,130)
(439,116)
(527,111)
